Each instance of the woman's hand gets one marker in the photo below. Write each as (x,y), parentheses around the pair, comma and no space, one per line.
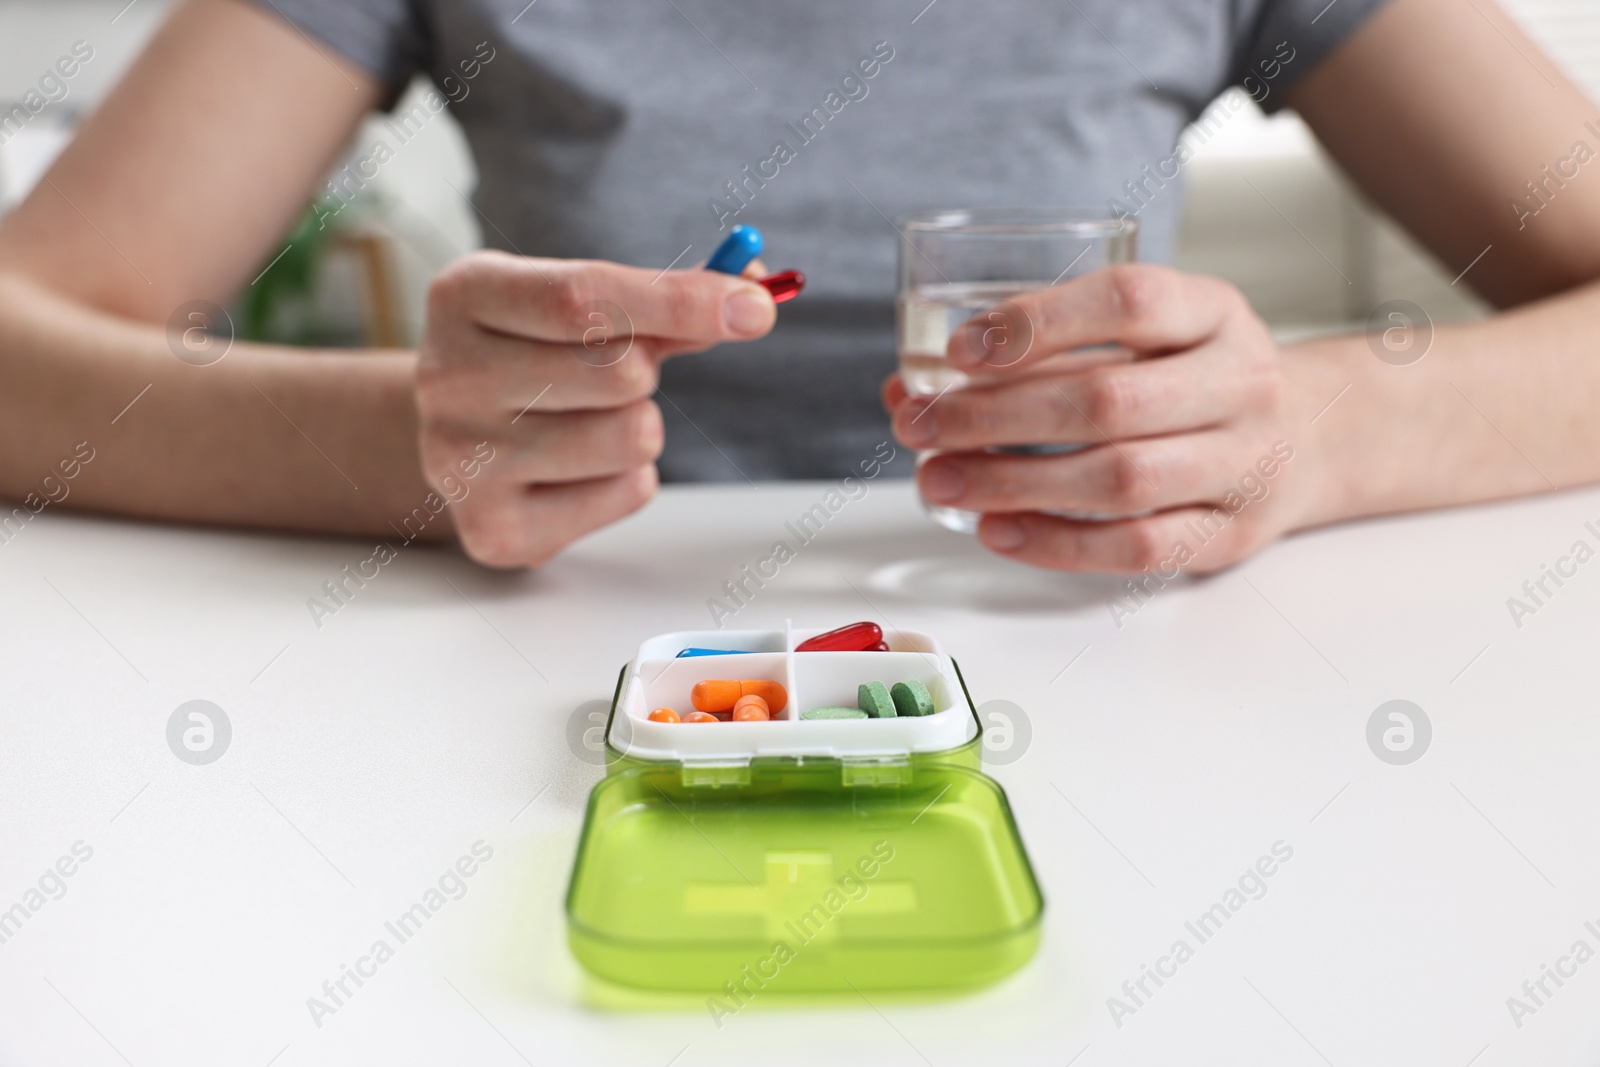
(552,363)
(1188,422)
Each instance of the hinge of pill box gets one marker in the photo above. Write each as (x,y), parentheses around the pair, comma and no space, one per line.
(886,769)
(716,773)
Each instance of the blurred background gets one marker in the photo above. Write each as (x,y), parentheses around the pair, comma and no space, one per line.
(362,279)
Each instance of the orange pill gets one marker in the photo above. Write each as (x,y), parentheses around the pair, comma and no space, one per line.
(700,716)
(722,694)
(663,715)
(751,708)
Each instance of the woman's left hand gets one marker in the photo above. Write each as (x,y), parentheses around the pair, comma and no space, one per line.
(1187,419)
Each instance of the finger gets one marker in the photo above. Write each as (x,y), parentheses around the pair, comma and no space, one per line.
(492,371)
(893,393)
(1141,305)
(1192,540)
(1123,478)
(511,525)
(1111,401)
(569,300)
(568,446)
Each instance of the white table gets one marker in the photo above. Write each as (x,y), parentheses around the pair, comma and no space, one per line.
(432,711)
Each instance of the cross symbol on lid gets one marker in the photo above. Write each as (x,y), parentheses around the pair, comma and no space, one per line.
(794,900)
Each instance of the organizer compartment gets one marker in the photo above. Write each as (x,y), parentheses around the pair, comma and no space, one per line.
(666,683)
(657,679)
(667,646)
(832,677)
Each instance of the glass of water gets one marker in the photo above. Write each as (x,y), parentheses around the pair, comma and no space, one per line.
(965,264)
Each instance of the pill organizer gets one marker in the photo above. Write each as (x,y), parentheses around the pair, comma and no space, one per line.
(745,858)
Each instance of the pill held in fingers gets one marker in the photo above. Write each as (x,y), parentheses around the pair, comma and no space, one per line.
(734,254)
(742,245)
(785,285)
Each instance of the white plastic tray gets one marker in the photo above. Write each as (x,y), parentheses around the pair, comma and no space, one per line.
(657,678)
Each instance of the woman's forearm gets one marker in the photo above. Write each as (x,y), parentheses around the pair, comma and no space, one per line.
(326,440)
(267,436)
(1498,408)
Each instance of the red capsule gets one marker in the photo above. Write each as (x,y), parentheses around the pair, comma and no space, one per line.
(881,646)
(857,637)
(785,285)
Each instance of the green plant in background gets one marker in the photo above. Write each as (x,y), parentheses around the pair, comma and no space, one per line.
(279,306)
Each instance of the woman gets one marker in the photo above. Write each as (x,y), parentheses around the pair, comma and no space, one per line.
(612,134)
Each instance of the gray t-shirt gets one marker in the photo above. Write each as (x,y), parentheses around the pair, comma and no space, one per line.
(639,132)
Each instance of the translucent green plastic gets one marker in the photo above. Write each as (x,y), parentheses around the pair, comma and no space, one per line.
(802,875)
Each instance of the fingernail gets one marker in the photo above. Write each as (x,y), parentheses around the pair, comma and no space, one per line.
(747,313)
(942,482)
(921,425)
(1002,533)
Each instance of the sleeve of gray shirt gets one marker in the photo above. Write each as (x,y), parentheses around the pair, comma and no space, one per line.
(1276,43)
(1283,40)
(386,38)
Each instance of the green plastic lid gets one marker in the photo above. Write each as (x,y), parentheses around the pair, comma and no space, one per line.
(798,873)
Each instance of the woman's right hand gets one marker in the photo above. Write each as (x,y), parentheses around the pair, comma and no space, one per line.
(552,363)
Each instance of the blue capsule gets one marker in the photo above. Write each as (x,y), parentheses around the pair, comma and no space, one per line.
(734,254)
